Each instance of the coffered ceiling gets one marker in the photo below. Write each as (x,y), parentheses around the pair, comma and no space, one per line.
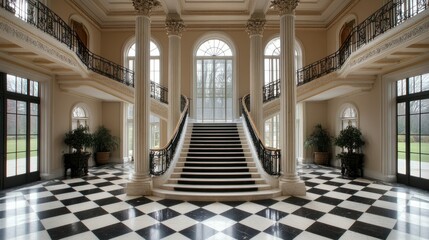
(199,13)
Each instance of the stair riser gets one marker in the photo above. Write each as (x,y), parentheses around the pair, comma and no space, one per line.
(221,190)
(218,176)
(216,150)
(202,183)
(224,170)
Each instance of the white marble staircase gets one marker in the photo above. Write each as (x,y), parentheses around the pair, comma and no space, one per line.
(216,164)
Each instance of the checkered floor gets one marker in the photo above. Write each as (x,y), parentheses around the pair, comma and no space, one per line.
(96,207)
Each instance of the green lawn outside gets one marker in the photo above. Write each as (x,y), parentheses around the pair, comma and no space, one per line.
(415,148)
(19,146)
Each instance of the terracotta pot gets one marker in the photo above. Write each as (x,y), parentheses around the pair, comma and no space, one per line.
(321,158)
(102,157)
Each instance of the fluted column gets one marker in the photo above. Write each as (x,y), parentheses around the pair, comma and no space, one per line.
(174,26)
(141,181)
(290,182)
(255,29)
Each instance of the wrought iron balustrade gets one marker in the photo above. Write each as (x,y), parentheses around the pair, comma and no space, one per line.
(40,16)
(269,157)
(387,17)
(271,91)
(158,92)
(160,159)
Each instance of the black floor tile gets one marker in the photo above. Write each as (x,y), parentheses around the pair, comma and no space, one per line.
(240,231)
(111,231)
(200,214)
(76,184)
(383,212)
(296,201)
(326,230)
(359,183)
(103,184)
(332,183)
(91,191)
(374,190)
(169,202)
(317,191)
(370,230)
(265,202)
(236,214)
(345,212)
(198,231)
(272,214)
(67,230)
(283,231)
(117,192)
(90,213)
(345,190)
(363,200)
(53,212)
(164,214)
(155,232)
(127,214)
(329,200)
(308,213)
(42,200)
(76,200)
(64,190)
(106,201)
(138,201)
(311,184)
(113,178)
(389,199)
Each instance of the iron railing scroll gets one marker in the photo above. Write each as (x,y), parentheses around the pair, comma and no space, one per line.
(158,92)
(269,157)
(43,18)
(387,17)
(271,91)
(161,158)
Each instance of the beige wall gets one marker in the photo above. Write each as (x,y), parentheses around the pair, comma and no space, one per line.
(314,113)
(63,103)
(112,119)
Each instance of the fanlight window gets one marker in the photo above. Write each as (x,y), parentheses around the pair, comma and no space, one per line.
(79,117)
(214,47)
(349,117)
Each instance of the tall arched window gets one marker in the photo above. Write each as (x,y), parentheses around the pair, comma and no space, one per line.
(155,56)
(272,60)
(349,116)
(214,81)
(79,117)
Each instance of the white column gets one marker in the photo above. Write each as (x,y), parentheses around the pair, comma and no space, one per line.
(141,181)
(255,29)
(290,182)
(174,26)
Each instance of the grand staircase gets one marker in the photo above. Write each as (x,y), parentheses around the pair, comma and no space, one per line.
(216,164)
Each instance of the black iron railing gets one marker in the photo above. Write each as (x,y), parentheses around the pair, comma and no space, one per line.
(40,16)
(160,159)
(158,92)
(387,17)
(271,91)
(269,157)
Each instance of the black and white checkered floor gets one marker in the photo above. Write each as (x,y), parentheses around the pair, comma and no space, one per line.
(96,207)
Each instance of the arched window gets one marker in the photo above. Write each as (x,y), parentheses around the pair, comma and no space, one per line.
(214,81)
(272,60)
(349,116)
(79,117)
(155,63)
(271,130)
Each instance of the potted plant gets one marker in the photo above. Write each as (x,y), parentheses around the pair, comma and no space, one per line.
(104,143)
(351,141)
(321,142)
(78,140)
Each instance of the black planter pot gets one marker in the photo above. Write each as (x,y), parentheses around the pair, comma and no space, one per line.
(77,162)
(351,164)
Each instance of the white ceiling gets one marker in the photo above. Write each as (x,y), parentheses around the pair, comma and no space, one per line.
(113,13)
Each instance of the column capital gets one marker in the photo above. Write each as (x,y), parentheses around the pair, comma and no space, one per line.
(174,25)
(144,7)
(285,6)
(255,25)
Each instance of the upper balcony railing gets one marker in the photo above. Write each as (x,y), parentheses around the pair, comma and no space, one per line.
(271,91)
(387,17)
(40,16)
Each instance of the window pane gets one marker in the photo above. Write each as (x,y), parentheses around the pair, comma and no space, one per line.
(11,144)
(11,106)
(414,107)
(21,164)
(21,124)
(414,124)
(34,109)
(415,165)
(33,143)
(11,124)
(401,109)
(11,165)
(21,145)
(34,161)
(21,107)
(11,83)
(401,87)
(401,125)
(425,82)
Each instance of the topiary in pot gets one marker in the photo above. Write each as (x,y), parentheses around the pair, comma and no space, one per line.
(104,143)
(321,142)
(78,139)
(351,140)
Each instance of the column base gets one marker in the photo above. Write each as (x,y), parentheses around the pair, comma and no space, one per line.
(139,187)
(292,188)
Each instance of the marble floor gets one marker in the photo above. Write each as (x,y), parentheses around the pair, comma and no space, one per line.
(96,207)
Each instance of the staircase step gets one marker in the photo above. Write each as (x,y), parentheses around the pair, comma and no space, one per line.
(213,175)
(214,159)
(221,196)
(219,150)
(212,188)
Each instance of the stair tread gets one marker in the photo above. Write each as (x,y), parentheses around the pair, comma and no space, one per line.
(214,187)
(217,179)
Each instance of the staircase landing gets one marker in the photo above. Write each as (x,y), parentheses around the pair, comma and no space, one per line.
(216,164)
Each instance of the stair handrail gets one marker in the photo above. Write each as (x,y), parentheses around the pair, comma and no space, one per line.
(385,18)
(271,91)
(43,18)
(269,157)
(160,158)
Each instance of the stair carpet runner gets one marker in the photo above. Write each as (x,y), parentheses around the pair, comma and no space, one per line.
(216,159)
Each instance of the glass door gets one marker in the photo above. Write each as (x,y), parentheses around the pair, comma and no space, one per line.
(413,131)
